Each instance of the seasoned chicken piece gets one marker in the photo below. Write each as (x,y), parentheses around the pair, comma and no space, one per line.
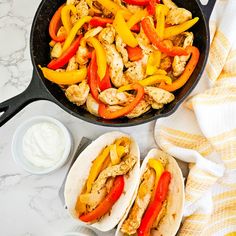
(116,65)
(132,223)
(82,10)
(120,46)
(133,8)
(78,93)
(135,72)
(155,105)
(180,62)
(74,2)
(92,105)
(104,11)
(122,168)
(112,97)
(160,96)
(178,16)
(82,55)
(72,64)
(56,50)
(107,35)
(140,109)
(169,4)
(144,43)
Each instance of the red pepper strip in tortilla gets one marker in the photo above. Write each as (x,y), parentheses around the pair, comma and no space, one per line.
(105,206)
(154,207)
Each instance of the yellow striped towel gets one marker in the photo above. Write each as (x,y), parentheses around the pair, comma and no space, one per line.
(203,133)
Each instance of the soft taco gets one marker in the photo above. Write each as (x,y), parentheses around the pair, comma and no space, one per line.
(102,178)
(158,206)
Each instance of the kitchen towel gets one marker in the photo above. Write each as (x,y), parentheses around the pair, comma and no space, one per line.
(203,133)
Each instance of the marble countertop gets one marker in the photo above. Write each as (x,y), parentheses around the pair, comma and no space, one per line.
(29,204)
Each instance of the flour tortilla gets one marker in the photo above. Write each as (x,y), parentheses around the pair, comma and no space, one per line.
(170,223)
(79,172)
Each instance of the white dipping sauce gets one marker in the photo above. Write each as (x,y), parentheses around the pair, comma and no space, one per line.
(44,144)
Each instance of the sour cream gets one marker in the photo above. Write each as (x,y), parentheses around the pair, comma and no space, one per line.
(44,144)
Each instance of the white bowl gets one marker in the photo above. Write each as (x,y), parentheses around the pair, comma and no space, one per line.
(17,145)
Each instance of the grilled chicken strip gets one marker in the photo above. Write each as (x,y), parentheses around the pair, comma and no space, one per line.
(142,200)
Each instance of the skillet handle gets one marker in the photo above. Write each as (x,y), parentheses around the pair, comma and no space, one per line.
(208,8)
(35,91)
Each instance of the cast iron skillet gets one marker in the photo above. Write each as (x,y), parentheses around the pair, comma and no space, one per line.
(42,89)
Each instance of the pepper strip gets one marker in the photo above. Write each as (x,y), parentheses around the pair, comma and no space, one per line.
(74,31)
(106,114)
(153,63)
(154,79)
(123,30)
(151,33)
(105,206)
(137,2)
(154,207)
(100,21)
(134,54)
(181,81)
(178,29)
(66,56)
(100,56)
(65,16)
(64,78)
(161,12)
(105,83)
(54,26)
(136,18)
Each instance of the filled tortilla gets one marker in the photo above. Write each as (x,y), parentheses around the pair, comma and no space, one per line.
(84,196)
(168,218)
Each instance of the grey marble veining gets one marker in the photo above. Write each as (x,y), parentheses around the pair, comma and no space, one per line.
(30,205)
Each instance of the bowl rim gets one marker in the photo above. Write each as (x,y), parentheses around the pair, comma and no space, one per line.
(24,127)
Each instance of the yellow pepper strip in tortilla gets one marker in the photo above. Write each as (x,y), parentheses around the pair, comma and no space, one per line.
(64,78)
(123,30)
(114,8)
(136,18)
(159,169)
(116,153)
(178,29)
(96,168)
(154,79)
(100,56)
(154,61)
(161,12)
(74,31)
(65,16)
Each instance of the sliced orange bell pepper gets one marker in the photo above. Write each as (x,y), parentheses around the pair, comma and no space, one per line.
(54,26)
(134,54)
(107,114)
(181,81)
(105,206)
(151,33)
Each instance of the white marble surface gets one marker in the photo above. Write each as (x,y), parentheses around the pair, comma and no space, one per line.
(29,205)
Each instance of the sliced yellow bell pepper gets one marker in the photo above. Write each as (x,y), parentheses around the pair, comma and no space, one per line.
(159,169)
(114,8)
(124,141)
(74,31)
(64,78)
(178,29)
(116,153)
(90,33)
(154,79)
(65,16)
(123,30)
(136,18)
(100,56)
(154,61)
(96,168)
(161,12)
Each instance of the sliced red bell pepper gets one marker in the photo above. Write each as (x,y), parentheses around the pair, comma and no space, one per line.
(54,26)
(150,32)
(105,83)
(107,114)
(134,54)
(137,2)
(151,7)
(154,207)
(92,77)
(135,28)
(66,56)
(105,206)
(99,21)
